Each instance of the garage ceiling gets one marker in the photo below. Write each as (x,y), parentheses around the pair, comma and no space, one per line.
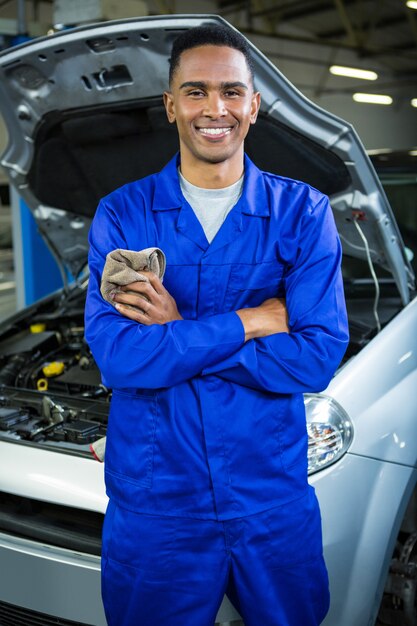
(380,34)
(306,36)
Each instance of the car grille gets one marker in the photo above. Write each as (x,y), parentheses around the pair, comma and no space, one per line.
(11,615)
(53,524)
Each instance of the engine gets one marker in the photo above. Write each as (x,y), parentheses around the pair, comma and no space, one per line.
(51,392)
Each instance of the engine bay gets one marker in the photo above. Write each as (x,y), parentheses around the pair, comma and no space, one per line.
(50,387)
(51,394)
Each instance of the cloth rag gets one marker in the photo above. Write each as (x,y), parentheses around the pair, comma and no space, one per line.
(123,267)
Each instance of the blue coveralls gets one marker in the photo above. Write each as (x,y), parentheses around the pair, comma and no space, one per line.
(206,458)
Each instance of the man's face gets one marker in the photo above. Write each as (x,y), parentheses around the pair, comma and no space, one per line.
(212,102)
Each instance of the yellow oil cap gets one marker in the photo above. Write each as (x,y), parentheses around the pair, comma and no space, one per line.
(53,369)
(37,328)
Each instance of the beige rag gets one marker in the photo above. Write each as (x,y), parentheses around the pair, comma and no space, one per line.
(123,267)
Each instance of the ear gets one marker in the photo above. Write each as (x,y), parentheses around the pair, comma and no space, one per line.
(169,106)
(255,104)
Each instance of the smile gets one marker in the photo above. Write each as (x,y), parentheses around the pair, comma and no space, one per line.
(215,132)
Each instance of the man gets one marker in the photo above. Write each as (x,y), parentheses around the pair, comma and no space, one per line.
(206,459)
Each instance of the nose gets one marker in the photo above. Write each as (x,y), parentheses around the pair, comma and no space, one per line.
(214,105)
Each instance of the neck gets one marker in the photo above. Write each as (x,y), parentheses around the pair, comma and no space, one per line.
(211,175)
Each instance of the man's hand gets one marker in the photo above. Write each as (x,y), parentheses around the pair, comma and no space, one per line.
(267,319)
(147,303)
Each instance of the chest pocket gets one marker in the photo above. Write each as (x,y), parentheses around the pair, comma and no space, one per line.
(251,284)
(182,282)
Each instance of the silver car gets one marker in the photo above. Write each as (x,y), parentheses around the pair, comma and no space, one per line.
(84,115)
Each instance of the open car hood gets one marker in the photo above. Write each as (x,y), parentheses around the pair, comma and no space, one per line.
(84,114)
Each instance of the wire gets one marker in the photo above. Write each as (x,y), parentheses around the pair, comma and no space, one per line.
(373,274)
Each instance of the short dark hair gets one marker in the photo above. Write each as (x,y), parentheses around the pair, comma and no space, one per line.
(209,35)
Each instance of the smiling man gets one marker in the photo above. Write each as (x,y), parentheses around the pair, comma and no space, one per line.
(212,115)
(206,459)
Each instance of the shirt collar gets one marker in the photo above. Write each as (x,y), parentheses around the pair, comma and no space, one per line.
(168,195)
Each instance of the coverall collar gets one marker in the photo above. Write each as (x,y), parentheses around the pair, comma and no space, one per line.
(253,201)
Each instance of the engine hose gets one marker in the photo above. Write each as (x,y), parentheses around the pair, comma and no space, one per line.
(13,367)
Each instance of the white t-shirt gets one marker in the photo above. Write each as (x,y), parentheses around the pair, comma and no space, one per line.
(211,206)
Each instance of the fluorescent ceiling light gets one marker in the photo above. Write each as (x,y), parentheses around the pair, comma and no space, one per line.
(372,98)
(412,4)
(352,72)
(379,151)
(414,102)
(413,153)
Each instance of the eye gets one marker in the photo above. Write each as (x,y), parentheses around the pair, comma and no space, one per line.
(196,93)
(231,93)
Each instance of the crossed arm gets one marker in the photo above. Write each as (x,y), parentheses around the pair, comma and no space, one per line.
(251,347)
(155,305)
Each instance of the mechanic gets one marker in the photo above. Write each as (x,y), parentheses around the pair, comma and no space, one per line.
(206,458)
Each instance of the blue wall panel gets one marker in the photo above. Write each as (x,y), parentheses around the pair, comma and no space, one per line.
(41,273)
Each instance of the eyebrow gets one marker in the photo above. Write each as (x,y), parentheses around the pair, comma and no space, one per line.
(202,85)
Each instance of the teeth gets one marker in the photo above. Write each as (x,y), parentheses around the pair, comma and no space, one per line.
(214,131)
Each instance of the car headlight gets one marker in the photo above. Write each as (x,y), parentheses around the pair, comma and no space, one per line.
(329,429)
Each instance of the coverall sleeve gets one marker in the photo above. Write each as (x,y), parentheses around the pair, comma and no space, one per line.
(305,359)
(129,354)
